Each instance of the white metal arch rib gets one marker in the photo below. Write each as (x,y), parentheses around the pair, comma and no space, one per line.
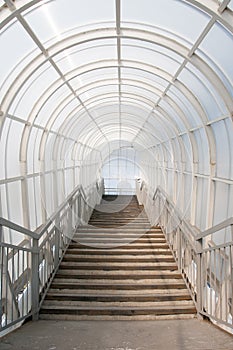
(135,65)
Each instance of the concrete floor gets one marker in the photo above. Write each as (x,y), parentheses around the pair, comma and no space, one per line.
(191,334)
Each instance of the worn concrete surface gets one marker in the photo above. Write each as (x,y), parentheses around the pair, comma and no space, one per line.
(191,334)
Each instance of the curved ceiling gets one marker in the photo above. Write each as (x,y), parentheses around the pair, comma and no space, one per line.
(99,71)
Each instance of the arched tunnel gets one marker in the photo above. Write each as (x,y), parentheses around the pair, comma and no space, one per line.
(133,93)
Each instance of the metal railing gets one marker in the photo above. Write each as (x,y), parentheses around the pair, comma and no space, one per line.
(207,268)
(27,269)
(119,191)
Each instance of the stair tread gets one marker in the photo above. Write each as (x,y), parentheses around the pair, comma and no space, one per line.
(118,266)
(120,304)
(145,292)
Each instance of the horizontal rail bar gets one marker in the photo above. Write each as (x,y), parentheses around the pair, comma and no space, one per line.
(18,228)
(216,228)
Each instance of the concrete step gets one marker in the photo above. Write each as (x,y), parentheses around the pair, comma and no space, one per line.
(122,245)
(115,274)
(113,297)
(119,292)
(118,258)
(116,239)
(118,267)
(75,284)
(122,304)
(119,252)
(115,266)
(118,234)
(120,310)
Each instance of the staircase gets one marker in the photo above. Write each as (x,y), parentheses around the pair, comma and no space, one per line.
(118,267)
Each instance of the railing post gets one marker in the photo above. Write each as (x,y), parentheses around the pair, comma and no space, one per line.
(179,248)
(35,282)
(70,219)
(57,240)
(79,208)
(1,233)
(199,279)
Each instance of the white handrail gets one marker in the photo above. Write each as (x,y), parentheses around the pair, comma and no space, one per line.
(222,225)
(32,269)
(207,272)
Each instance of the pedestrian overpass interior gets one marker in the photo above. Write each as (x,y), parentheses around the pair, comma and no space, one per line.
(120,90)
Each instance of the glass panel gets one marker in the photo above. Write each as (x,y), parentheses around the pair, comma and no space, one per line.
(33,90)
(175,16)
(188,152)
(14,60)
(207,83)
(48,153)
(203,151)
(128,100)
(96,101)
(31,200)
(38,201)
(99,91)
(15,203)
(3,209)
(149,78)
(56,17)
(3,143)
(201,203)
(13,148)
(140,92)
(65,114)
(229,129)
(188,185)
(68,181)
(190,112)
(222,150)
(220,205)
(33,161)
(96,75)
(218,34)
(51,104)
(199,89)
(151,54)
(157,122)
(49,194)
(172,115)
(75,57)
(217,70)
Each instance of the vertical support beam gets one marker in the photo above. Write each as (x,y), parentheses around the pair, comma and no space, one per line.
(35,281)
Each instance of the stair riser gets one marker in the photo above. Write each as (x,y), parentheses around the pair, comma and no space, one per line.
(120,312)
(116,287)
(115,260)
(130,254)
(135,299)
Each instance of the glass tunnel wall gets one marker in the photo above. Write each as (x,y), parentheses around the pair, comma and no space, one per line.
(121,89)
